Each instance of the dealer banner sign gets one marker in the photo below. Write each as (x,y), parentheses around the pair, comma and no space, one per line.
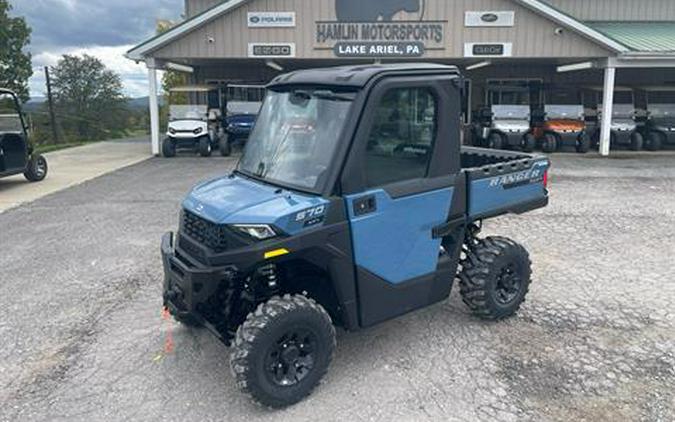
(271,19)
(380,29)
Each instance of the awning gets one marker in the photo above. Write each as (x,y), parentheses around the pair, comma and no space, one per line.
(640,37)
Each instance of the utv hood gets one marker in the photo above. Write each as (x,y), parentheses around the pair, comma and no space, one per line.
(238,200)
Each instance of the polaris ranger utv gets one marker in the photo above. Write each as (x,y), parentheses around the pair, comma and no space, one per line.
(352,204)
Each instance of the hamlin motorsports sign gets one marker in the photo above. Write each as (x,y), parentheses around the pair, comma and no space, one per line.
(373,29)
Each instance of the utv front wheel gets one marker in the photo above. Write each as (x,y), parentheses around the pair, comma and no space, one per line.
(495,141)
(36,170)
(168,148)
(636,141)
(583,144)
(550,143)
(495,277)
(282,350)
(205,148)
(224,146)
(529,143)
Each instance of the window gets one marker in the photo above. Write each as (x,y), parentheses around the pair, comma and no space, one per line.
(401,139)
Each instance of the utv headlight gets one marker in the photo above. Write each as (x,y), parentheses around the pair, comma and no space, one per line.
(197,131)
(256,231)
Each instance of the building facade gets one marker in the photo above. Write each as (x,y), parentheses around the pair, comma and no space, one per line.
(512,51)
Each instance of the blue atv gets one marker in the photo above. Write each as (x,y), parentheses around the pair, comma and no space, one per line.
(352,204)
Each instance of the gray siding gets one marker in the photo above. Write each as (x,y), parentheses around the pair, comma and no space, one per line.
(618,10)
(533,36)
(195,7)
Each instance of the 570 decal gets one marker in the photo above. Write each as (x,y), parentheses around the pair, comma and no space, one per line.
(311,216)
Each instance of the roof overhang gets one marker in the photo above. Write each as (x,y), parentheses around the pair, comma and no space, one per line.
(572,24)
(141,51)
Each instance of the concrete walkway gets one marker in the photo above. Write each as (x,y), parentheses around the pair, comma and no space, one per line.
(73,166)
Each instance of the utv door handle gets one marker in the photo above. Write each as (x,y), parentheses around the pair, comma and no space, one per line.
(365,205)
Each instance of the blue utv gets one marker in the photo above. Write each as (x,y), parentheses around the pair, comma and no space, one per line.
(352,204)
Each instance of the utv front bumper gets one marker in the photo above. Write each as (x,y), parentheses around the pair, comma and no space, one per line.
(186,287)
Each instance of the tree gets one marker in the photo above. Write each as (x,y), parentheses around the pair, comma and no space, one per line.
(88,98)
(15,64)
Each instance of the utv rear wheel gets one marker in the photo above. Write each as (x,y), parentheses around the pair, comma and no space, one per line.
(224,146)
(282,350)
(168,148)
(583,144)
(495,277)
(636,141)
(205,146)
(37,168)
(495,141)
(529,143)
(550,143)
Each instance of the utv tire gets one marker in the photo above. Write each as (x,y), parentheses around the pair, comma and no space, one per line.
(583,144)
(550,143)
(282,350)
(224,146)
(654,141)
(168,148)
(529,143)
(495,141)
(637,141)
(205,148)
(188,321)
(495,277)
(37,169)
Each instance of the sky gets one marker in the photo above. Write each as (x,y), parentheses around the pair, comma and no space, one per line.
(103,28)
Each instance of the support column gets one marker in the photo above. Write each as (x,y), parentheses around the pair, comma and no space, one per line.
(154,106)
(607,110)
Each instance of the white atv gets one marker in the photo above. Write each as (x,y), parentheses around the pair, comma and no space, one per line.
(193,124)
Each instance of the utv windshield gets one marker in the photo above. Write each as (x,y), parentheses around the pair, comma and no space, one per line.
(294,140)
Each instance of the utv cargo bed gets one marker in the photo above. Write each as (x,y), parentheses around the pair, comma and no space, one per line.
(501,182)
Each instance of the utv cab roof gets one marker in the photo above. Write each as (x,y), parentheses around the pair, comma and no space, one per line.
(357,76)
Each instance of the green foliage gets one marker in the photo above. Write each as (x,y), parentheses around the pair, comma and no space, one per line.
(15,64)
(88,99)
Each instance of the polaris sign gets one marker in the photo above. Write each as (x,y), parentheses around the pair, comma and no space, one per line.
(271,19)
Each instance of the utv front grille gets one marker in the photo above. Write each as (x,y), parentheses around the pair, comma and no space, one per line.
(213,236)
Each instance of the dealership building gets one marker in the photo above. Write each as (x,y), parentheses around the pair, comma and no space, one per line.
(590,52)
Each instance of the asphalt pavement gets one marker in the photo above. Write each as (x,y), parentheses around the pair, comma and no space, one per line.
(83,338)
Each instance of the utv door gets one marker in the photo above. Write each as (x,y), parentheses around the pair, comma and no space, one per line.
(405,196)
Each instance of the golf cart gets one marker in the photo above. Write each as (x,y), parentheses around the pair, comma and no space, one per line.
(16,152)
(660,124)
(195,120)
(559,125)
(504,127)
(243,104)
(624,127)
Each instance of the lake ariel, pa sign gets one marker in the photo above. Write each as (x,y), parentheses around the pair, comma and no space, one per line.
(365,49)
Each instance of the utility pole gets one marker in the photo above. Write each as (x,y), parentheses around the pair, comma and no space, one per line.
(50,103)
